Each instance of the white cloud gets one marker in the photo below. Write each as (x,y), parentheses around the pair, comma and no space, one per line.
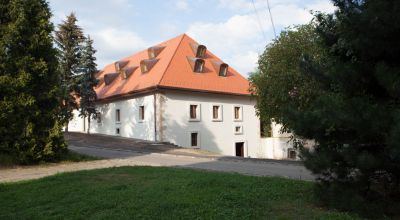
(182,5)
(236,41)
(322,6)
(112,43)
(239,39)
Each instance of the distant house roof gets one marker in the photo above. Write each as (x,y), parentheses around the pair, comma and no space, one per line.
(178,63)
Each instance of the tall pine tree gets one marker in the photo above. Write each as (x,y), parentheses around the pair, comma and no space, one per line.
(69,39)
(87,83)
(29,89)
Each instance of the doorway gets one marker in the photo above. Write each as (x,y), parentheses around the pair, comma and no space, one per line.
(239,149)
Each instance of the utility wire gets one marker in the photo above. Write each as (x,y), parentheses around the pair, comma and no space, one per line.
(270,15)
(259,20)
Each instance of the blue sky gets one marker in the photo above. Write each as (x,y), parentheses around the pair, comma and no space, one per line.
(229,28)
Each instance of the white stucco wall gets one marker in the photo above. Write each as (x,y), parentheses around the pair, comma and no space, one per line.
(215,136)
(173,124)
(276,147)
(129,125)
(77,123)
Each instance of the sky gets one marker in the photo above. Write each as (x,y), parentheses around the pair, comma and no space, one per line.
(235,30)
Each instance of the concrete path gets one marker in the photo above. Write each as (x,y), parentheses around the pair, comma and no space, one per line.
(130,158)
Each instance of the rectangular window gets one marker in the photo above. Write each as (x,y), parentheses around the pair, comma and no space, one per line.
(141,113)
(117,131)
(193,111)
(215,112)
(238,129)
(237,113)
(117,116)
(193,139)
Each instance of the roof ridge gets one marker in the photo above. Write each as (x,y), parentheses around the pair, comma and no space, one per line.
(170,61)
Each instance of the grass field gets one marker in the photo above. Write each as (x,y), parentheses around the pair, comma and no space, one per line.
(160,193)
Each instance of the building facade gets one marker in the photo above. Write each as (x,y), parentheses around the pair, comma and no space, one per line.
(178,92)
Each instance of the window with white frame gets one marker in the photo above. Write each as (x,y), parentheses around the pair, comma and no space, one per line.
(141,113)
(216,112)
(237,113)
(117,116)
(194,139)
(194,112)
(238,129)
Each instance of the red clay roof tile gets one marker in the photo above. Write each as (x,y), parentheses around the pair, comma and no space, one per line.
(172,70)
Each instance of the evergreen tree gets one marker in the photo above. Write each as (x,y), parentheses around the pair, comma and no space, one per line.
(357,115)
(88,81)
(354,116)
(29,126)
(69,39)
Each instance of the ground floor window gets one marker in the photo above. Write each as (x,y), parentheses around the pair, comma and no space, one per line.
(117,116)
(194,136)
(117,131)
(141,113)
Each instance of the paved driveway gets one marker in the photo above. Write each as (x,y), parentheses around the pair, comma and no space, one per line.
(172,157)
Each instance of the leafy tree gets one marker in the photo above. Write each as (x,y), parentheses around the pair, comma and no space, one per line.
(29,104)
(279,84)
(355,116)
(69,39)
(88,81)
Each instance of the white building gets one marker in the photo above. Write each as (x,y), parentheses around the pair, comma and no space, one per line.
(179,92)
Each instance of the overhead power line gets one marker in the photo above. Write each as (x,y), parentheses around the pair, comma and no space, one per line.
(259,20)
(270,15)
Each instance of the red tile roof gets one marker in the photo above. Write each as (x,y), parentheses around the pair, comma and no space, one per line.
(169,68)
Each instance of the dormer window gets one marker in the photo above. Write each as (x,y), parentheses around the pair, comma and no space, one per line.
(223,70)
(127,72)
(154,51)
(146,65)
(109,78)
(198,66)
(143,68)
(220,67)
(120,64)
(199,50)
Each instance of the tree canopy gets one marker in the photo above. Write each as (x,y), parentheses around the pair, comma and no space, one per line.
(347,100)
(69,39)
(87,82)
(29,89)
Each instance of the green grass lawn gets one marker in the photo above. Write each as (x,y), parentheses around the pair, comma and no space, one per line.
(160,193)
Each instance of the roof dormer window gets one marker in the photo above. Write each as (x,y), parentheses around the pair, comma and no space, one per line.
(153,52)
(120,64)
(127,72)
(146,65)
(223,69)
(109,78)
(199,49)
(197,64)
(220,67)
